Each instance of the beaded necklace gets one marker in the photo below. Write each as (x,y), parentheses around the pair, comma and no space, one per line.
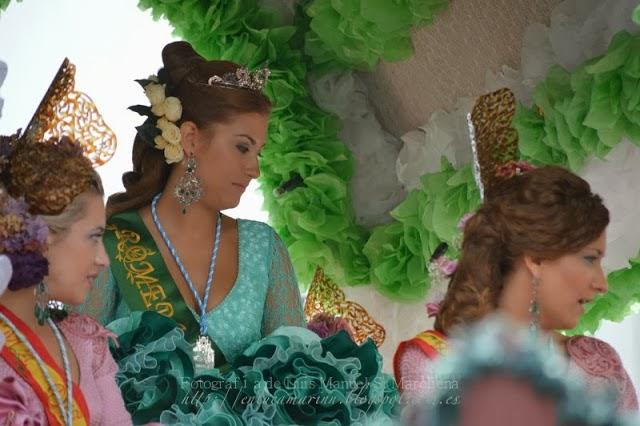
(204,355)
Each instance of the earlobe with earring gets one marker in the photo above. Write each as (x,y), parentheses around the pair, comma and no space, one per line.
(189,188)
(534,306)
(46,308)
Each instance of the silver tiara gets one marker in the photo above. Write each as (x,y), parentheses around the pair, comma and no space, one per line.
(242,78)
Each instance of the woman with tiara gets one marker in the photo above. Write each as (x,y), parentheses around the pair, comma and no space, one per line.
(226,283)
(192,158)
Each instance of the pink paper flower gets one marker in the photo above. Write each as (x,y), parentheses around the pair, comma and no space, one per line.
(433,309)
(463,221)
(446,266)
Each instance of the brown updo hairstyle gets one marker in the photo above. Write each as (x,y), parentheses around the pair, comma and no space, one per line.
(188,74)
(546,213)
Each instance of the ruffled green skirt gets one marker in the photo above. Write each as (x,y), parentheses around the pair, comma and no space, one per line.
(290,377)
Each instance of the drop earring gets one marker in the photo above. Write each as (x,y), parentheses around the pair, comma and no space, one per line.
(45,307)
(534,306)
(188,190)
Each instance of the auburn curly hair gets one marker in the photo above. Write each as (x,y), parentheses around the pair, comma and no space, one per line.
(545,213)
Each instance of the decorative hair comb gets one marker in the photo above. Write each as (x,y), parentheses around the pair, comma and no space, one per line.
(325,296)
(493,141)
(242,78)
(67,137)
(66,112)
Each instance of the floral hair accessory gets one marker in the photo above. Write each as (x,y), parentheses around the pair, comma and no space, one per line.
(52,161)
(23,239)
(463,221)
(160,128)
(513,168)
(441,269)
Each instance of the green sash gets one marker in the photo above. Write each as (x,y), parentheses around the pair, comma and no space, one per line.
(142,277)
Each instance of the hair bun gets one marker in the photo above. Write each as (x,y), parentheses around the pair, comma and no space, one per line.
(179,60)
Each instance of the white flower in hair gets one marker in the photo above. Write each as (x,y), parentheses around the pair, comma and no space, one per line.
(155,93)
(158,109)
(162,116)
(172,108)
(160,142)
(173,153)
(162,123)
(171,133)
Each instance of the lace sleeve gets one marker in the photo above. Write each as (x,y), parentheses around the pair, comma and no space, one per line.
(603,366)
(102,300)
(283,305)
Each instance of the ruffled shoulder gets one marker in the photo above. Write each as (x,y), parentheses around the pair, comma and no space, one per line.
(598,359)
(595,357)
(84,326)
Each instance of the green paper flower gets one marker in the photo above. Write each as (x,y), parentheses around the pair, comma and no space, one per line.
(584,113)
(399,252)
(357,34)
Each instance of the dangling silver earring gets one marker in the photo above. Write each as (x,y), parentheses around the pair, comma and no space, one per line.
(189,188)
(534,306)
(47,308)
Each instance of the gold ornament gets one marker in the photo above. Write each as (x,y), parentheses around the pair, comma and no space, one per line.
(324,296)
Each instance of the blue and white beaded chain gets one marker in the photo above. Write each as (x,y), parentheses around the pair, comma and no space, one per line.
(204,354)
(68,416)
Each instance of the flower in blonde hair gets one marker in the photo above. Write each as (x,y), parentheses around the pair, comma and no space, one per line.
(23,239)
